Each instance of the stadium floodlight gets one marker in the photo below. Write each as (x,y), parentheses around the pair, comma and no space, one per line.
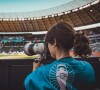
(19,19)
(75,10)
(1,19)
(31,18)
(39,17)
(28,18)
(68,11)
(25,18)
(43,17)
(59,14)
(95,2)
(46,16)
(86,5)
(13,19)
(80,8)
(65,12)
(52,15)
(22,19)
(91,10)
(55,15)
(49,16)
(5,19)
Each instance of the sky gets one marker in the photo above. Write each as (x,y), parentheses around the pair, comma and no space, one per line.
(28,5)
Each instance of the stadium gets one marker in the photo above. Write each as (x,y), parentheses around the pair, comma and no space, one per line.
(28,21)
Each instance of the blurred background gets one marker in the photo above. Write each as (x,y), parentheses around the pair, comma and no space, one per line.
(27,21)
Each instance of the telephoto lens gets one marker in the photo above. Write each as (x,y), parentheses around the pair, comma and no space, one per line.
(40,49)
(34,48)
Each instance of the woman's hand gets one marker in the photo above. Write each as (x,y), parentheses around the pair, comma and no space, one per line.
(36,65)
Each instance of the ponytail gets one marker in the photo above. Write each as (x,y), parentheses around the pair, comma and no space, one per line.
(81,46)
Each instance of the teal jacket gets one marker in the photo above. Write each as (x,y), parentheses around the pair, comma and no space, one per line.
(63,74)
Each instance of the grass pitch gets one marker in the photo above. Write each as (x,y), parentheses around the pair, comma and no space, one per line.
(17,56)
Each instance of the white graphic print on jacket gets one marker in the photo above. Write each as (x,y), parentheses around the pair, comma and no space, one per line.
(61,76)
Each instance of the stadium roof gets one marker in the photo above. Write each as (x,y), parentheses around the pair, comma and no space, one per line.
(76,14)
(44,32)
(67,5)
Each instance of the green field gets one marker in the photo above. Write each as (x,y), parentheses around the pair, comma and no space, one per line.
(17,56)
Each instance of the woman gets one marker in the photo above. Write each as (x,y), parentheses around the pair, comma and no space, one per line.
(65,73)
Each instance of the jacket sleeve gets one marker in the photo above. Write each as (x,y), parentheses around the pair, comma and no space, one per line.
(33,80)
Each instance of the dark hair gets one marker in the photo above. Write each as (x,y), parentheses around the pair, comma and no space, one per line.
(65,38)
(81,45)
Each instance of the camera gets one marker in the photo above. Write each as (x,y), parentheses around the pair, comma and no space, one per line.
(34,48)
(38,48)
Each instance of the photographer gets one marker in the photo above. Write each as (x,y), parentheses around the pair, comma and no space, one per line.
(65,73)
